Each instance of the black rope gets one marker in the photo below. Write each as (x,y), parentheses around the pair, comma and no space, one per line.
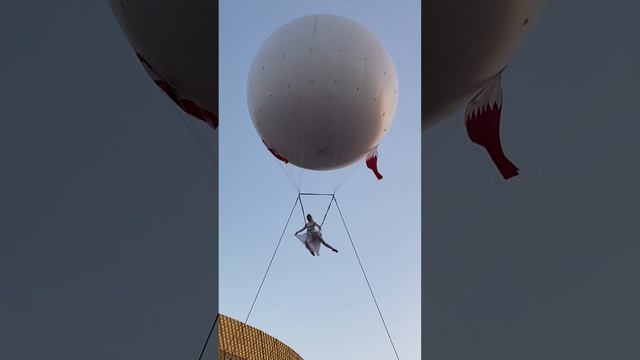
(375,301)
(271,261)
(264,277)
(204,347)
(304,218)
(327,212)
(366,279)
(314,194)
(203,145)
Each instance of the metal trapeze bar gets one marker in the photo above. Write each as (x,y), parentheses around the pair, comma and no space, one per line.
(314,194)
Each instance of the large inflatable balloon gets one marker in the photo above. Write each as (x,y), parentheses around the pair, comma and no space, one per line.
(177,42)
(466,46)
(322,91)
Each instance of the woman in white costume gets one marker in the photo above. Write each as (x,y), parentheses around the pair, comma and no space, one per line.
(312,239)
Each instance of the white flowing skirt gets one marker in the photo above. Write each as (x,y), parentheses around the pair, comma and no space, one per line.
(312,238)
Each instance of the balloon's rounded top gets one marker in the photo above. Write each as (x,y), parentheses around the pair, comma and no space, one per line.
(322,92)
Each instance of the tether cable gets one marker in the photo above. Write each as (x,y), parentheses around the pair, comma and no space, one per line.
(366,279)
(204,347)
(264,277)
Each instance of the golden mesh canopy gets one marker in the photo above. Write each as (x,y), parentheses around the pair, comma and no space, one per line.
(238,341)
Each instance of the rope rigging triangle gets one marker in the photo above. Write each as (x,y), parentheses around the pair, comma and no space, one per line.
(353,246)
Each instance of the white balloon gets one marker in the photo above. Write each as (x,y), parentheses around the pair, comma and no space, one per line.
(322,92)
(178,44)
(466,43)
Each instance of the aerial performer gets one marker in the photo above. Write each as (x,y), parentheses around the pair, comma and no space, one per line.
(312,238)
(466,49)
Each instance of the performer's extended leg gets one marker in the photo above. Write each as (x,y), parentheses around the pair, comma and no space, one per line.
(306,244)
(327,245)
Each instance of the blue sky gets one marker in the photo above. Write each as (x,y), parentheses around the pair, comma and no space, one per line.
(321,306)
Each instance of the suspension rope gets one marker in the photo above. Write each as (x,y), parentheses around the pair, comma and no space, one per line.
(364,273)
(271,261)
(204,347)
(366,279)
(328,208)
(315,194)
(195,133)
(349,173)
(289,177)
(202,142)
(304,218)
(264,277)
